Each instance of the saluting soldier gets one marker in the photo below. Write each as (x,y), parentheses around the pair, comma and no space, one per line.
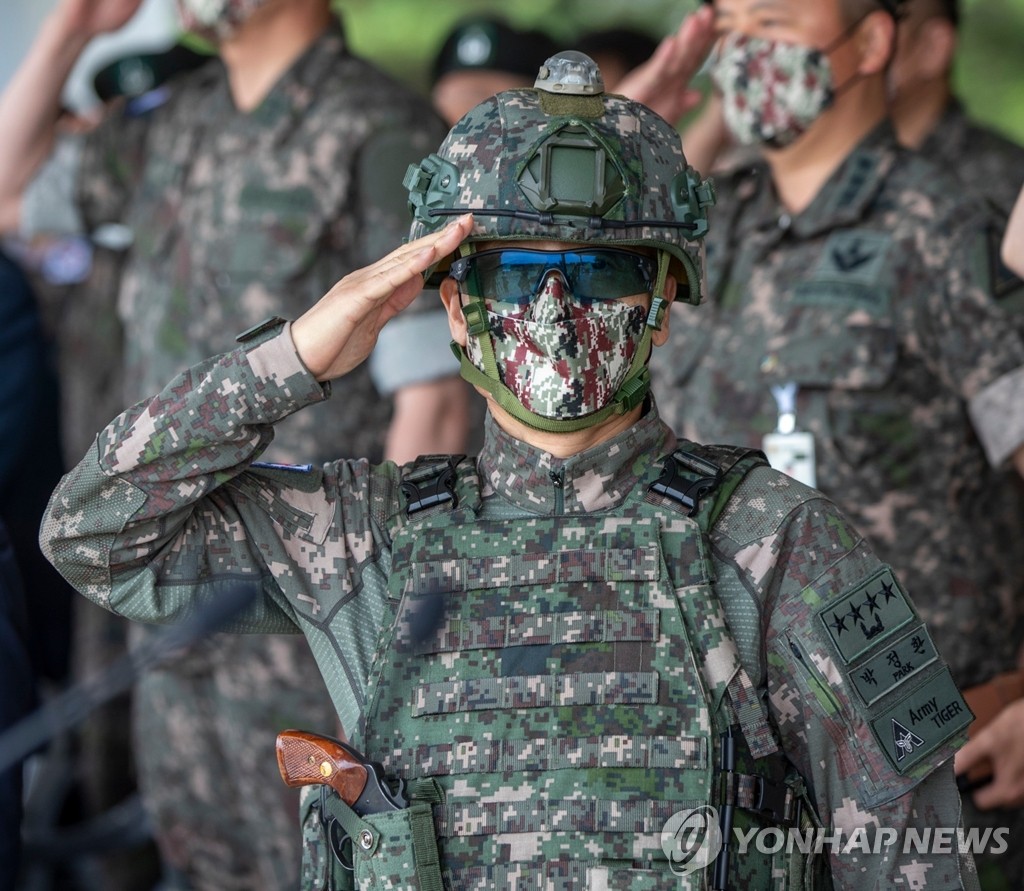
(591,638)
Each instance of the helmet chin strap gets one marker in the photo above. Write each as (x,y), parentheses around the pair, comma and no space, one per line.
(631,392)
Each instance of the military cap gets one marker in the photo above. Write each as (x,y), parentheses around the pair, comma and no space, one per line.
(493,45)
(132,76)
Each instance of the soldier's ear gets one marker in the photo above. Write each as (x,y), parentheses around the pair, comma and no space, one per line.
(449,291)
(659,337)
(876,42)
(938,38)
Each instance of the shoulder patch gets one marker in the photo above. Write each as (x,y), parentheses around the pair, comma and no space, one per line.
(889,668)
(867,615)
(921,721)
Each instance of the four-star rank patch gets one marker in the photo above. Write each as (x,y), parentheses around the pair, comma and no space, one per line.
(906,694)
(860,619)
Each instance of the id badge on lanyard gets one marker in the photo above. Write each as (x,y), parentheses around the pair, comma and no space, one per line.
(788,449)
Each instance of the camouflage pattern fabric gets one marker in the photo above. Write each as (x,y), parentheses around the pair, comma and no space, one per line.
(560,358)
(990,165)
(771,90)
(168,510)
(237,217)
(875,301)
(215,18)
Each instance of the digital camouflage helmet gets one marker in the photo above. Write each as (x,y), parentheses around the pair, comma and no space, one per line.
(566,162)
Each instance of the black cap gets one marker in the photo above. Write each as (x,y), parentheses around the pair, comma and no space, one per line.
(133,76)
(893,7)
(493,45)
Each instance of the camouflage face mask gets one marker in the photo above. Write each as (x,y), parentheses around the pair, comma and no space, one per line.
(560,358)
(771,91)
(216,19)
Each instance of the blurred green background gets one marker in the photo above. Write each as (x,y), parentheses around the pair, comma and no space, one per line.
(403,35)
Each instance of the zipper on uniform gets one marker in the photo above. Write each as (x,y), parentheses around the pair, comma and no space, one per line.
(819,687)
(558,481)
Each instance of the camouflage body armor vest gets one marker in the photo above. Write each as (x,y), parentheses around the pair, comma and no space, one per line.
(570,684)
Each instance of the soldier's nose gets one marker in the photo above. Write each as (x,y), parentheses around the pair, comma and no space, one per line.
(552,304)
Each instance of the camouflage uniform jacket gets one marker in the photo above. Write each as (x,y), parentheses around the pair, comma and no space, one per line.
(240,215)
(874,301)
(990,165)
(166,511)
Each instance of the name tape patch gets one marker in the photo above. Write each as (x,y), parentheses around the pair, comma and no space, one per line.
(868,614)
(922,721)
(888,669)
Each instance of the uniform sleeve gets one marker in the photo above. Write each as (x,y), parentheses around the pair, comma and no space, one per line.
(864,706)
(167,508)
(976,347)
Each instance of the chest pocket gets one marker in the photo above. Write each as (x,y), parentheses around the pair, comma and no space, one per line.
(838,331)
(275,236)
(839,344)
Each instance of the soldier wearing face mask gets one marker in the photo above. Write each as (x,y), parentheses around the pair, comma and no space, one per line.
(853,330)
(594,656)
(245,187)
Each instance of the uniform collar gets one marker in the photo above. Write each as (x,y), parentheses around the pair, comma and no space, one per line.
(289,98)
(948,139)
(595,480)
(844,199)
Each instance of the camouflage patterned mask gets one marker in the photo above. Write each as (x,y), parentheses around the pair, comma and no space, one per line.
(771,91)
(561,359)
(216,19)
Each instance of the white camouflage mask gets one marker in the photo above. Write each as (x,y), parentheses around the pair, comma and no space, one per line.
(216,19)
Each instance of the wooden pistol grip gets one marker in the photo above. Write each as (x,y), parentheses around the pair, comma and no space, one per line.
(307,759)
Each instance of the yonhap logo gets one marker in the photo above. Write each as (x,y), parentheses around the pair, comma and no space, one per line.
(691,839)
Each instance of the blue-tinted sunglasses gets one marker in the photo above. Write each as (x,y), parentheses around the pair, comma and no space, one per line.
(516,275)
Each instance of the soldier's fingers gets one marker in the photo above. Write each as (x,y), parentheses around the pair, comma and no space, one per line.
(974,752)
(442,241)
(1002,792)
(690,44)
(414,258)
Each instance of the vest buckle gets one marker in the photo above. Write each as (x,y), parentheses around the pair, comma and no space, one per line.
(687,488)
(775,800)
(431,482)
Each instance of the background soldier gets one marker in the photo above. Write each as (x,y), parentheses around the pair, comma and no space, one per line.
(268,173)
(928,116)
(853,330)
(572,639)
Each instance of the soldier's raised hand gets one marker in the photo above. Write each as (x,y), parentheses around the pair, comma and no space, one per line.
(91,17)
(662,83)
(340,331)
